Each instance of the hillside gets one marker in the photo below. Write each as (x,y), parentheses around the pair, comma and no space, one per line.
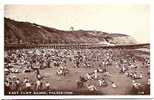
(25,32)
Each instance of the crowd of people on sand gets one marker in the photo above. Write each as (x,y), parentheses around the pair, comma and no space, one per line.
(36,59)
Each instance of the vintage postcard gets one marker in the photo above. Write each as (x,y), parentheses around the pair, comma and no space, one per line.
(84,49)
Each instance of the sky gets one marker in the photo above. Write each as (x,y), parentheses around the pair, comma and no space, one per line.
(130,19)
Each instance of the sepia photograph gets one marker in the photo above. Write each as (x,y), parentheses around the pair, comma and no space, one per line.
(77,49)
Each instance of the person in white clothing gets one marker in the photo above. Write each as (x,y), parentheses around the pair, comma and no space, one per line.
(95,74)
(100,82)
(91,88)
(38,85)
(47,85)
(114,85)
(28,85)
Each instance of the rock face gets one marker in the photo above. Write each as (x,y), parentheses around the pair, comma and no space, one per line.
(27,33)
(122,39)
